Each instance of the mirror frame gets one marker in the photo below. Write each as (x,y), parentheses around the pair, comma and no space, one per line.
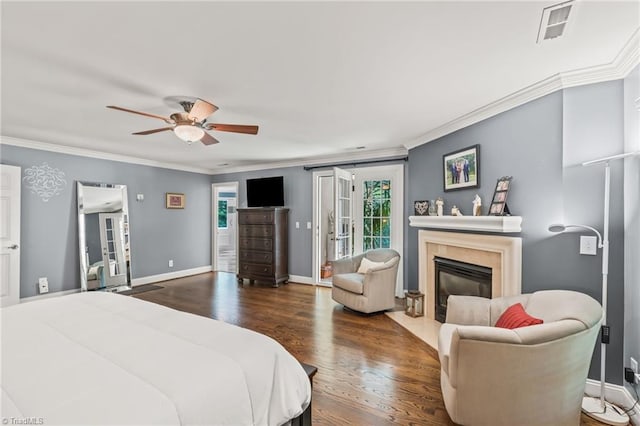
(82,241)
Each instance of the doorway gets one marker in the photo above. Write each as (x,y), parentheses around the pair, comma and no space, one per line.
(224,226)
(377,216)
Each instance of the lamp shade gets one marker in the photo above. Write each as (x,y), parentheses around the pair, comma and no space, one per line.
(188,133)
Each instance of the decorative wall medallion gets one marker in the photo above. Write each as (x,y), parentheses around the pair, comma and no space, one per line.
(44,181)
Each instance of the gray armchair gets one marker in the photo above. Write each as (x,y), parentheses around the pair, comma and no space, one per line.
(372,291)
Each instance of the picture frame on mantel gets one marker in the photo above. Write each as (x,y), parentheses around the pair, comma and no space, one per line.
(499,201)
(461,169)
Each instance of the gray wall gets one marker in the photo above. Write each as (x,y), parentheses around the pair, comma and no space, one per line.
(632,218)
(298,197)
(49,238)
(541,144)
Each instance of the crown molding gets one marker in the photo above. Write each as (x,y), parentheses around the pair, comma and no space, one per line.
(83,152)
(309,161)
(619,68)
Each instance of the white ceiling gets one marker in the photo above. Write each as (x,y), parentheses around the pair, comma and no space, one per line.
(319,78)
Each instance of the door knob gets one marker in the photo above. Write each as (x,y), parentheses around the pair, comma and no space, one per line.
(13,247)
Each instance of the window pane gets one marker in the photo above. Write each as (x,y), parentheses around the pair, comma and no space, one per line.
(222,213)
(376,242)
(376,208)
(366,231)
(376,227)
(366,244)
(386,189)
(386,228)
(386,242)
(386,208)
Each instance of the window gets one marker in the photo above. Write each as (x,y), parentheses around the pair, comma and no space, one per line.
(222,214)
(376,217)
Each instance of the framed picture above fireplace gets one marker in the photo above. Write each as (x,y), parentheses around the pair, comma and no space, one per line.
(461,169)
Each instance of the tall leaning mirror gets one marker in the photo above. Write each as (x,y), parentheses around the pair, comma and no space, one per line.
(104,237)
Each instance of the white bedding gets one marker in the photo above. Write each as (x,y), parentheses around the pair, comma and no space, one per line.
(101,358)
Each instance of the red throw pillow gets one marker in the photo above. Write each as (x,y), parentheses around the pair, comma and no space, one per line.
(515,317)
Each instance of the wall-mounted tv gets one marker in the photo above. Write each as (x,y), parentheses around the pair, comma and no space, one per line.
(265,192)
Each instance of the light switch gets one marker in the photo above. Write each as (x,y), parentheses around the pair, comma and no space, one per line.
(588,245)
(308,225)
(139,197)
(297,225)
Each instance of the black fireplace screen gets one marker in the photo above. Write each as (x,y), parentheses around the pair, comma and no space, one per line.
(459,278)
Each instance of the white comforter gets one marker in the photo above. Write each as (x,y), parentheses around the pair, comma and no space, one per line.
(101,358)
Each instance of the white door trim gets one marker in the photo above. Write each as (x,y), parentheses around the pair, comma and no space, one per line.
(395,173)
(10,189)
(214,220)
(315,275)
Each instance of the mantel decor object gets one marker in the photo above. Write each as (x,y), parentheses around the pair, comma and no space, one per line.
(421,208)
(499,201)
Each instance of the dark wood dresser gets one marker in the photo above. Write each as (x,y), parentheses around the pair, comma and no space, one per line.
(263,245)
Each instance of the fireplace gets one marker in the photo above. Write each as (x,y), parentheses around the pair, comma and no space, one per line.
(458,278)
(500,254)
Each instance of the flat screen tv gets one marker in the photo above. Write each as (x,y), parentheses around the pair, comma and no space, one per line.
(265,192)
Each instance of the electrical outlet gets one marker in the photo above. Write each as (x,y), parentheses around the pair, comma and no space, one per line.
(588,245)
(43,285)
(634,365)
(171,263)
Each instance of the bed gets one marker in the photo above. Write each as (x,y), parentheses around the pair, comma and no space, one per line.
(101,358)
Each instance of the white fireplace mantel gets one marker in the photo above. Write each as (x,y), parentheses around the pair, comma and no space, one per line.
(505,224)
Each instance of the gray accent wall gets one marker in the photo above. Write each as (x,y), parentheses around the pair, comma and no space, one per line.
(632,219)
(49,237)
(541,144)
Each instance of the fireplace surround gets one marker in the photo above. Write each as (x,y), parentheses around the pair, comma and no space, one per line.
(503,255)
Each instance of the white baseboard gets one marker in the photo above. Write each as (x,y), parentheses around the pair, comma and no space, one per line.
(618,395)
(170,275)
(300,279)
(49,295)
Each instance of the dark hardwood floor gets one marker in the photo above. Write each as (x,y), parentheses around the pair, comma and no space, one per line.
(371,371)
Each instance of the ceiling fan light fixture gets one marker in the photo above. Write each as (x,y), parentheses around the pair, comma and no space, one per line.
(188,133)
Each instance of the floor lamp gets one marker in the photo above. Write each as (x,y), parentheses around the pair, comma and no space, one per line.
(599,408)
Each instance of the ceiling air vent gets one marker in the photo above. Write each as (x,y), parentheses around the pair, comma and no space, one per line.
(554,21)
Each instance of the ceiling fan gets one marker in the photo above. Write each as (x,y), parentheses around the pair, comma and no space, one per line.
(191,124)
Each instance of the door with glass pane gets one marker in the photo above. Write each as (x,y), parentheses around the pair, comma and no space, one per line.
(342,207)
(378,211)
(112,241)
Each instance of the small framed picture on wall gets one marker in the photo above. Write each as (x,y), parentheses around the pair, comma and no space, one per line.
(499,201)
(174,200)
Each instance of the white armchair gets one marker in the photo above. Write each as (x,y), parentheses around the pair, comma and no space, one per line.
(368,292)
(532,375)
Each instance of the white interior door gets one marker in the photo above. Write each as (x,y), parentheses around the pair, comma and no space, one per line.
(113,248)
(9,235)
(342,207)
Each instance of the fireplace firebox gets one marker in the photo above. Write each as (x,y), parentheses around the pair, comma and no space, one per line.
(459,278)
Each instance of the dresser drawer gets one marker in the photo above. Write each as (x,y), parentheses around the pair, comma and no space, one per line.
(256,231)
(256,257)
(254,269)
(256,243)
(257,217)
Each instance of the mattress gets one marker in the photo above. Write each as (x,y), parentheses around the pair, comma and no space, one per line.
(97,358)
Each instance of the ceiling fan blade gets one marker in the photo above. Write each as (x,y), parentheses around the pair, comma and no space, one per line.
(146,114)
(149,132)
(236,128)
(201,110)
(207,139)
